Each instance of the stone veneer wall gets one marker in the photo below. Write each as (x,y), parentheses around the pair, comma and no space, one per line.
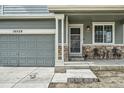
(90,47)
(65,53)
(107,47)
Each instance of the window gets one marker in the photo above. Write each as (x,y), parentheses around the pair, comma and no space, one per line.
(103,33)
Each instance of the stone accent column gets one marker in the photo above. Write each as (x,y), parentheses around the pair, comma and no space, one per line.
(65,53)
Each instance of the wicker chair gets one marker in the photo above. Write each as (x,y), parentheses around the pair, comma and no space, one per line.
(102,52)
(96,53)
(87,52)
(117,52)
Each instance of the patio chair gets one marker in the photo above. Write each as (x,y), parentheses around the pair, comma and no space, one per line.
(119,53)
(86,53)
(109,53)
(102,53)
(116,52)
(96,53)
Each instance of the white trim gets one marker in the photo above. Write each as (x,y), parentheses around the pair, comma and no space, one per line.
(103,23)
(59,44)
(27,31)
(103,45)
(66,29)
(60,8)
(27,16)
(123,33)
(73,25)
(62,25)
(94,13)
(56,43)
(59,16)
(81,37)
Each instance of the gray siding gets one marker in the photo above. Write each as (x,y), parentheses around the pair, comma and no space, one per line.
(27,24)
(118,33)
(87,35)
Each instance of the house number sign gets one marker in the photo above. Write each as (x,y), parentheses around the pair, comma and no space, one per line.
(17,31)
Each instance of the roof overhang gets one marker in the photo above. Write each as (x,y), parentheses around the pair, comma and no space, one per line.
(85,8)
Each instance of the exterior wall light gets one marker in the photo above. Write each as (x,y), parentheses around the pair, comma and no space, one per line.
(88,28)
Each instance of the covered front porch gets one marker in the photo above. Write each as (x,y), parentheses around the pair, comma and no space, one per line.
(91,36)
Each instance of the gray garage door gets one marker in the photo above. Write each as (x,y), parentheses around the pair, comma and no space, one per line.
(27,50)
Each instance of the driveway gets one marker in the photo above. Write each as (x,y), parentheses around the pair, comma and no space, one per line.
(20,77)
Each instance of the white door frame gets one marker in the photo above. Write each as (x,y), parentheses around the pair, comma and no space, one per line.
(81,37)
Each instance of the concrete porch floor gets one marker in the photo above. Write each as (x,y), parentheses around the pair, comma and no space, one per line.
(98,62)
(113,64)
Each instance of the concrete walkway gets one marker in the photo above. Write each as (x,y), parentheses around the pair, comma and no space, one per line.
(75,76)
(19,77)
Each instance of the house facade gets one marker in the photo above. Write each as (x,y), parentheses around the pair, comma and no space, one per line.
(54,35)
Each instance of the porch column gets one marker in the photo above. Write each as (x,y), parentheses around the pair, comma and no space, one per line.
(59,17)
(59,63)
(56,42)
(66,30)
(62,23)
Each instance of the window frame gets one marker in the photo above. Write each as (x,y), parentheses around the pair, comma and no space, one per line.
(103,23)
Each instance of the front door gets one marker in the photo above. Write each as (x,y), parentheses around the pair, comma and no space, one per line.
(75,41)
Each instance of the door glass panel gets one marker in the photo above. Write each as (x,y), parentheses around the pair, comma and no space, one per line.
(75,30)
(75,40)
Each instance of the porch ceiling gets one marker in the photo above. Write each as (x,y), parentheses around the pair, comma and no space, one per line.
(85,18)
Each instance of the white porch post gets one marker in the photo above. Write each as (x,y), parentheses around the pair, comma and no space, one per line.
(62,20)
(59,64)
(59,17)
(66,30)
(56,41)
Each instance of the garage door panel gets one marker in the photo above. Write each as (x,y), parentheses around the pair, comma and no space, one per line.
(45,61)
(3,60)
(27,50)
(40,54)
(8,53)
(36,50)
(28,53)
(3,45)
(8,45)
(13,61)
(8,61)
(12,45)
(13,53)
(27,44)
(27,61)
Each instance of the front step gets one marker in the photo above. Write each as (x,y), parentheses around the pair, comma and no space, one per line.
(77,65)
(76,58)
(75,76)
(81,75)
